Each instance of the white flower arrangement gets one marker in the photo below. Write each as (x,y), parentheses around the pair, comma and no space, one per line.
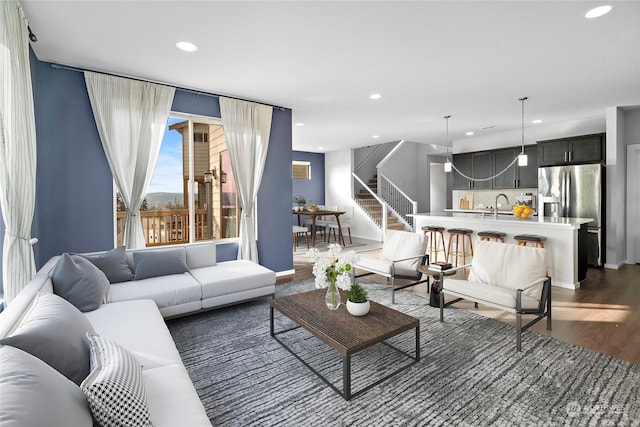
(336,267)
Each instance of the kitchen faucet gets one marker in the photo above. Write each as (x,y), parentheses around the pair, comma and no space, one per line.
(495,212)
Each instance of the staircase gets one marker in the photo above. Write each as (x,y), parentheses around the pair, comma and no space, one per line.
(372,207)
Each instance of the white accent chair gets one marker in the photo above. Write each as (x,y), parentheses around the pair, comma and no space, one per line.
(508,277)
(402,253)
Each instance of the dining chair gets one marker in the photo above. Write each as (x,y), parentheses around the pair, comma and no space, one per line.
(323,221)
(345,223)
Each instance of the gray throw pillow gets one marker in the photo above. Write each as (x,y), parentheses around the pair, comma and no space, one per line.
(55,332)
(159,262)
(35,394)
(115,387)
(80,282)
(113,264)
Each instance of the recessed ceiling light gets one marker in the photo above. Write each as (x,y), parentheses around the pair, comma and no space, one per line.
(488,127)
(535,122)
(375,96)
(469,133)
(597,12)
(300,124)
(186,46)
(320,148)
(376,136)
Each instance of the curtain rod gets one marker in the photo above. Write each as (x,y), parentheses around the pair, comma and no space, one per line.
(195,91)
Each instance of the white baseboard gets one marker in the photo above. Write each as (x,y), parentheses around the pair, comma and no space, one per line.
(617,266)
(285,273)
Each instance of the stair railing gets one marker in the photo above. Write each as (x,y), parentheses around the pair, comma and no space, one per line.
(397,200)
(373,153)
(366,198)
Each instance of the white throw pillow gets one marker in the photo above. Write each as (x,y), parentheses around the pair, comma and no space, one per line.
(115,387)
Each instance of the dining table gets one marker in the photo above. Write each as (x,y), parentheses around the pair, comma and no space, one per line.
(314,214)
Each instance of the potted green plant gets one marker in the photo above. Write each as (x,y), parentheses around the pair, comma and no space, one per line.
(357,300)
(299,201)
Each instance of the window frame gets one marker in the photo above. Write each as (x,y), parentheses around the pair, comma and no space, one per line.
(191,183)
(299,164)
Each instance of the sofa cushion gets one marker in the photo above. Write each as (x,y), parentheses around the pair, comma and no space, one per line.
(55,331)
(172,399)
(115,387)
(147,336)
(80,282)
(232,276)
(113,264)
(508,266)
(35,394)
(166,291)
(483,292)
(201,255)
(159,262)
(379,265)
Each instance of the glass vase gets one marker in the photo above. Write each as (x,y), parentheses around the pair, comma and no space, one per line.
(333,296)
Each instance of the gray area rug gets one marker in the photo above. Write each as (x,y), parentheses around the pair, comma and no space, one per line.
(469,373)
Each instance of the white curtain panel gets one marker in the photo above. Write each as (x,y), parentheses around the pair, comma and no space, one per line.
(247,127)
(131,116)
(17,151)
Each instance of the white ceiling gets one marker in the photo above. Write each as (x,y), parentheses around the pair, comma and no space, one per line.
(322,59)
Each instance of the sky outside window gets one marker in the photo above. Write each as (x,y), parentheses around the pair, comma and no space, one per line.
(167,177)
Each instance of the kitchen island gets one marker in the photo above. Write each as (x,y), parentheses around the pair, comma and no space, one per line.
(566,238)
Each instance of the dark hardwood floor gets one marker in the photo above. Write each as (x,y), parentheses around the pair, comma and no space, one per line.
(603,314)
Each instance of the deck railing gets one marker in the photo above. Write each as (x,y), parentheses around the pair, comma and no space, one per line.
(167,227)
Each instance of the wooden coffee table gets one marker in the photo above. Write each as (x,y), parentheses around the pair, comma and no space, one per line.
(345,333)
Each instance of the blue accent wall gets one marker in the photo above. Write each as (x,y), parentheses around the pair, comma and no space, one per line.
(74,202)
(312,189)
(274,197)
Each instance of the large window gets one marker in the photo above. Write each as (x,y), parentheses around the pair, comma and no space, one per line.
(192,195)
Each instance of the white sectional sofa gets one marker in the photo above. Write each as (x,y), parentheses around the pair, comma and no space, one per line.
(46,342)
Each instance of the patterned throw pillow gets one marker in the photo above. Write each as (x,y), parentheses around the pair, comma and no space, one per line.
(115,387)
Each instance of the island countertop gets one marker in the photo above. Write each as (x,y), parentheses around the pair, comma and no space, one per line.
(487,218)
(564,237)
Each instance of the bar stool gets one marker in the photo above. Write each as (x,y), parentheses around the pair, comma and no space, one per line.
(496,236)
(455,234)
(536,241)
(434,245)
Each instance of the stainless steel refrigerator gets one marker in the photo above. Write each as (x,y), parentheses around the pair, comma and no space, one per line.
(578,192)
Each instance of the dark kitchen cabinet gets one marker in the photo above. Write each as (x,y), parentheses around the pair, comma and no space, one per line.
(528,175)
(516,176)
(482,167)
(462,162)
(574,150)
(475,165)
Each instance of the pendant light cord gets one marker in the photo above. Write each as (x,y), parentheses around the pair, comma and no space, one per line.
(470,178)
(524,98)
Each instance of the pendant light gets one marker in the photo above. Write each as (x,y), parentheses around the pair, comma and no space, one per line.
(447,165)
(522,158)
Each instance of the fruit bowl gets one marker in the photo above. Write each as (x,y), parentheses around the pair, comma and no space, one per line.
(522,211)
